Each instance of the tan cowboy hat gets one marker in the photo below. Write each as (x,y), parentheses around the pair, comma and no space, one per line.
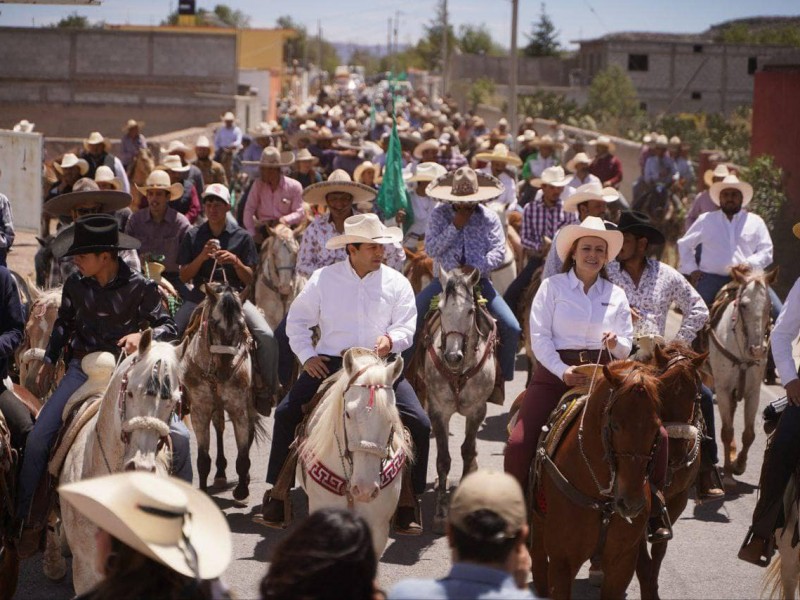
(162,518)
(661,141)
(603,140)
(70,160)
(324,133)
(131,124)
(545,140)
(96,138)
(365,229)
(172,162)
(104,174)
(203,142)
(24,126)
(176,146)
(271,157)
(366,166)
(338,181)
(796,230)
(109,200)
(591,226)
(159,180)
(464,185)
(500,153)
(427,171)
(674,141)
(304,155)
(579,158)
(590,191)
(228,116)
(731,181)
(554,176)
(426,145)
(527,137)
(721,171)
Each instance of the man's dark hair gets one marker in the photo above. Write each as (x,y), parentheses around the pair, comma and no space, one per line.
(114,253)
(355,245)
(483,538)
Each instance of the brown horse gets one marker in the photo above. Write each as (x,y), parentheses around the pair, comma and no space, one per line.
(593,498)
(418,269)
(138,171)
(680,412)
(9,561)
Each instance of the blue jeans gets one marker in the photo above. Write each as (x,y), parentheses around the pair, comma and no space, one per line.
(709,442)
(711,283)
(181,452)
(521,283)
(507,325)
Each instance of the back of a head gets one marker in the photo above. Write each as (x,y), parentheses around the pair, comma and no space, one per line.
(329,556)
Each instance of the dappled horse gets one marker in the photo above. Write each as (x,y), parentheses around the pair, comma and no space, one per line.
(218,379)
(140,168)
(275,281)
(592,498)
(354,447)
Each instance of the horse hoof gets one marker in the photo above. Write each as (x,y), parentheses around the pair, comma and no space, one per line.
(241,503)
(439,525)
(739,467)
(596,577)
(241,495)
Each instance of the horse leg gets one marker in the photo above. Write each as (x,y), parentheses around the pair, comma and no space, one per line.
(726,436)
(644,571)
(243,432)
(561,573)
(617,576)
(218,418)
(441,430)
(749,433)
(539,562)
(788,562)
(469,454)
(201,422)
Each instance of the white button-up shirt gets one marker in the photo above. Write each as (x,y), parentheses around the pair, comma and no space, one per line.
(786,330)
(726,243)
(564,317)
(509,195)
(351,311)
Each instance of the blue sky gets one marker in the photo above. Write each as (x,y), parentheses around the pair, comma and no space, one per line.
(358,21)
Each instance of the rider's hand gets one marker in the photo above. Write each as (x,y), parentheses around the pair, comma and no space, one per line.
(210,247)
(610,339)
(462,215)
(383,345)
(572,379)
(226,257)
(793,391)
(316,367)
(635,314)
(522,566)
(130,342)
(44,379)
(400,217)
(695,276)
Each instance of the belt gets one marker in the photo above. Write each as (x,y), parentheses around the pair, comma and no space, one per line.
(583,357)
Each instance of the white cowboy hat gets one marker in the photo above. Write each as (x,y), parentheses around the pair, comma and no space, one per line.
(335,112)
(271,157)
(159,180)
(365,229)
(721,171)
(366,166)
(162,518)
(545,140)
(176,146)
(263,129)
(731,181)
(104,174)
(96,138)
(338,181)
(305,155)
(203,142)
(464,185)
(24,126)
(603,140)
(528,136)
(218,191)
(70,160)
(172,162)
(427,171)
(426,145)
(131,124)
(500,153)
(554,176)
(503,122)
(590,191)
(228,116)
(661,141)
(579,158)
(591,226)
(674,141)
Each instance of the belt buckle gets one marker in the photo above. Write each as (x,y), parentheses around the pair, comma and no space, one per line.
(582,357)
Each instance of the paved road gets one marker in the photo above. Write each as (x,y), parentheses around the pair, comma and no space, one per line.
(701,561)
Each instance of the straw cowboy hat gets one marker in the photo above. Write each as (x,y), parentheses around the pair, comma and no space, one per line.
(581,158)
(661,141)
(131,124)
(796,230)
(638,224)
(349,141)
(304,155)
(464,185)
(365,229)
(203,142)
(528,136)
(603,140)
(159,180)
(70,160)
(104,174)
(554,176)
(324,133)
(162,518)
(172,162)
(338,181)
(591,226)
(109,201)
(427,171)
(590,191)
(24,126)
(500,153)
(366,166)
(545,140)
(731,181)
(93,233)
(426,145)
(271,157)
(721,171)
(96,138)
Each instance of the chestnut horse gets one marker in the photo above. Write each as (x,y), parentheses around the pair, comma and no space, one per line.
(595,488)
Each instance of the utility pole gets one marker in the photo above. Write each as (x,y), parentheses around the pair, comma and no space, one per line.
(389,56)
(512,84)
(444,47)
(319,46)
(396,26)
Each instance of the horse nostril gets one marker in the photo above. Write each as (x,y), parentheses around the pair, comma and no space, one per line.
(131,466)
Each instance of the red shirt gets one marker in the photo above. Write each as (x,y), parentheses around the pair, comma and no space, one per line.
(608,169)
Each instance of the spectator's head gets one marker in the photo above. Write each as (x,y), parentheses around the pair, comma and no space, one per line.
(487,519)
(216,203)
(329,556)
(96,144)
(202,148)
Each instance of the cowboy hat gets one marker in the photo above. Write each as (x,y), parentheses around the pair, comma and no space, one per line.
(109,200)
(426,145)
(603,140)
(271,157)
(304,155)
(228,116)
(175,147)
(591,226)
(590,191)
(96,138)
(674,141)
(580,158)
(350,142)
(528,136)
(338,181)
(104,174)
(162,518)
(366,166)
(263,129)
(545,140)
(24,126)
(70,160)
(365,229)
(203,142)
(552,176)
(172,162)
(159,180)
(796,230)
(661,141)
(721,171)
(464,185)
(500,153)
(731,181)
(131,124)
(638,224)
(93,233)
(217,190)
(427,171)
(324,133)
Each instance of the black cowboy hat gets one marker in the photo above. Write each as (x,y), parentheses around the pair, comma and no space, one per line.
(92,233)
(638,224)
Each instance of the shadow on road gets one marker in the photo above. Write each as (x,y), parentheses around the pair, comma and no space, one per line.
(406,549)
(494,428)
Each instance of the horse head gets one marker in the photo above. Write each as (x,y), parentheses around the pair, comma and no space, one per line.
(457,313)
(42,317)
(279,258)
(751,312)
(680,379)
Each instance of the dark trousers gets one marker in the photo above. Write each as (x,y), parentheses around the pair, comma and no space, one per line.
(3,256)
(17,416)
(709,444)
(289,415)
(285,355)
(521,283)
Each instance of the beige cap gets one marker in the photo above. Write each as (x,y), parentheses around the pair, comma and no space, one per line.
(489,490)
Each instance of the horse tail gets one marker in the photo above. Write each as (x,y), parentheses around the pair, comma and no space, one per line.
(772,579)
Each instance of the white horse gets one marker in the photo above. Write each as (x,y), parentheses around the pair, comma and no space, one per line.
(355,447)
(503,275)
(784,572)
(129,432)
(275,281)
(738,355)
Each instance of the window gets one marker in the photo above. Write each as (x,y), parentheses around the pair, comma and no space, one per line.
(697,48)
(697,96)
(638,62)
(752,65)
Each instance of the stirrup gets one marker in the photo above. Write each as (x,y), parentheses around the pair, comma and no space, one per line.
(747,551)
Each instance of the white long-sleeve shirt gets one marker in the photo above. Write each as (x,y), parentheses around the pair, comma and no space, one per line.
(726,243)
(351,311)
(786,330)
(564,317)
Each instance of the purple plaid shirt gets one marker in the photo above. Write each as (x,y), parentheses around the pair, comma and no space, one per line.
(540,221)
(456,160)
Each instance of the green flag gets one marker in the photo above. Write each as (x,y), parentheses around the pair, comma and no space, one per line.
(393,195)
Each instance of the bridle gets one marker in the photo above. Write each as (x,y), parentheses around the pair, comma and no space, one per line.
(271,281)
(690,429)
(445,334)
(739,317)
(238,353)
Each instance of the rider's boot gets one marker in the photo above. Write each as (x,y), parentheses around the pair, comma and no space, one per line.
(28,540)
(273,512)
(759,544)
(499,392)
(408,516)
(709,485)
(659,526)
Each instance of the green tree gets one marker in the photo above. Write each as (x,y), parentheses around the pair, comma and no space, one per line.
(613,100)
(544,40)
(294,48)
(477,40)
(231,17)
(769,194)
(429,47)
(73,21)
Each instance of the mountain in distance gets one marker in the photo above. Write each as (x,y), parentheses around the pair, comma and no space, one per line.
(345,49)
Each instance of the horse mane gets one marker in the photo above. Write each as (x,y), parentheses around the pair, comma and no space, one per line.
(48,298)
(636,379)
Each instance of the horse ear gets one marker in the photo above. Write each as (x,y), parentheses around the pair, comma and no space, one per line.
(443,277)
(615,379)
(397,369)
(474,278)
(771,276)
(698,361)
(661,358)
(740,275)
(33,289)
(145,341)
(244,295)
(348,362)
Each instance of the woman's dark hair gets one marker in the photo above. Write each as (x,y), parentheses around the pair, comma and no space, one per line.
(569,261)
(483,539)
(330,556)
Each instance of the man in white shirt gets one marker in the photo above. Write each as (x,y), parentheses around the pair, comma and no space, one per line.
(420,203)
(357,302)
(579,165)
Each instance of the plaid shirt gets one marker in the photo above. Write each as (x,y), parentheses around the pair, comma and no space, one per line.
(540,221)
(456,160)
